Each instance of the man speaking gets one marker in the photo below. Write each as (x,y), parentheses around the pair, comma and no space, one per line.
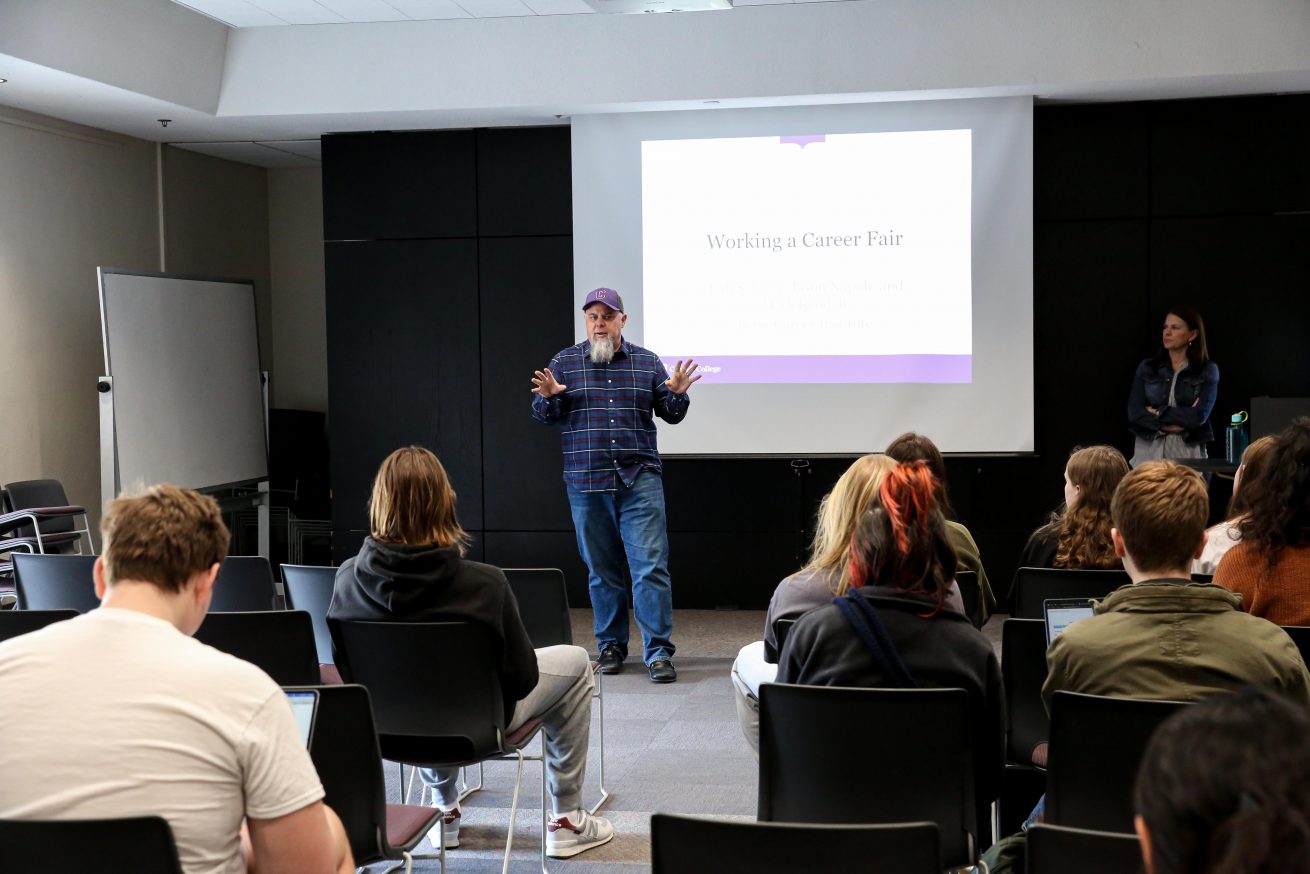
(604,393)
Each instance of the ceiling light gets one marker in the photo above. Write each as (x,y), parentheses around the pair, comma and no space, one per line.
(3,81)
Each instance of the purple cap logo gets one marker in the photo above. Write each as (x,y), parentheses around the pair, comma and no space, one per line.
(607,296)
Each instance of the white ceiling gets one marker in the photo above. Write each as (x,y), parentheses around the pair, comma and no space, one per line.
(259,81)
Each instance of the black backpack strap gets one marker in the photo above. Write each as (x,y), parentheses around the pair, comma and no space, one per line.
(873,634)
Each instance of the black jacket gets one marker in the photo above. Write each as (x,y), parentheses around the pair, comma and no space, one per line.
(943,651)
(392,582)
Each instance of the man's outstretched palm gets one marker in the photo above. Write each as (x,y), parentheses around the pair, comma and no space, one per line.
(682,378)
(544,384)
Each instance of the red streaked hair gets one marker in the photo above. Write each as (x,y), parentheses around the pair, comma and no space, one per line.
(902,539)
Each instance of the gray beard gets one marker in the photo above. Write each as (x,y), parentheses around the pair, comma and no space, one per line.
(602,351)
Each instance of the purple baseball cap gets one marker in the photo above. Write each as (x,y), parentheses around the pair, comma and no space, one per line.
(607,296)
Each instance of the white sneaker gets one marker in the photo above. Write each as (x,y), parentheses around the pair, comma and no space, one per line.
(566,838)
(447,829)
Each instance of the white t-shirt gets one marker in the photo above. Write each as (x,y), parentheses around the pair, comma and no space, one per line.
(1219,540)
(116,713)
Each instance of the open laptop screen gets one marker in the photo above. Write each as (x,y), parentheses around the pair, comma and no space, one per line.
(303,706)
(1063,612)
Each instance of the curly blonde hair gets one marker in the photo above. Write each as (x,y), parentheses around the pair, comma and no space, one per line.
(1084,529)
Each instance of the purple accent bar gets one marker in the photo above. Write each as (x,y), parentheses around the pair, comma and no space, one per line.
(802,140)
(817,369)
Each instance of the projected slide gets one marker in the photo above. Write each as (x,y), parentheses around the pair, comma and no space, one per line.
(838,258)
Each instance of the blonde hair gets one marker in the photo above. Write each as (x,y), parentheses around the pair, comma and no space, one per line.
(1084,528)
(840,513)
(413,502)
(165,536)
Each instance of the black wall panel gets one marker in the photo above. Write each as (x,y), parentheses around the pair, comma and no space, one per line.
(1137,206)
(525,182)
(411,185)
(527,316)
(403,366)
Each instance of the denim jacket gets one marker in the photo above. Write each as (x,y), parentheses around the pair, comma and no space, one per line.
(1194,396)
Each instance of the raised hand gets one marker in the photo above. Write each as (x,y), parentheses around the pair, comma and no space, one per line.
(681,378)
(544,384)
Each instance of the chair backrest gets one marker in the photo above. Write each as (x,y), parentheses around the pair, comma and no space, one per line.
(280,642)
(1054,849)
(1023,671)
(1301,637)
(245,583)
(55,582)
(782,628)
(967,583)
(310,589)
(685,845)
(138,845)
(32,493)
(831,754)
(543,604)
(425,713)
(14,623)
(1034,585)
(344,748)
(1096,746)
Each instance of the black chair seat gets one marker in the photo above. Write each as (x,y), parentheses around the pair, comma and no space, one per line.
(135,845)
(1054,849)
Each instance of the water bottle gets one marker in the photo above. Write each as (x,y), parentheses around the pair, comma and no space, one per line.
(1236,438)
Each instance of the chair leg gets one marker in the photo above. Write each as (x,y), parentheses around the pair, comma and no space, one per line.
(467,790)
(545,817)
(513,812)
(600,703)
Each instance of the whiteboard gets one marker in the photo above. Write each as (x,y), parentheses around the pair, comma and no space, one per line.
(188,401)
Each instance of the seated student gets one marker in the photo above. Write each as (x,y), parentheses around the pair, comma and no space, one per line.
(1079,535)
(411,569)
(827,574)
(1270,568)
(119,713)
(1222,788)
(901,565)
(911,447)
(1248,482)
(1164,636)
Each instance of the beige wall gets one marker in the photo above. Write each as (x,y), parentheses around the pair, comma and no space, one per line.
(295,212)
(75,198)
(71,199)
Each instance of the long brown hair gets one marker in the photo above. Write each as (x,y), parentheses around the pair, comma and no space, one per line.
(839,516)
(1256,464)
(413,502)
(1280,510)
(902,540)
(1084,529)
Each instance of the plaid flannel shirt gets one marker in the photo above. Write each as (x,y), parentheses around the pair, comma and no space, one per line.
(607,414)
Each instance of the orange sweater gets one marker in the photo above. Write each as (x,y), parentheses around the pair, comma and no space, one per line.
(1280,593)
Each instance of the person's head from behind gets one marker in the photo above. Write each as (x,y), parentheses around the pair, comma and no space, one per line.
(840,512)
(902,540)
(1090,478)
(169,539)
(412,501)
(911,447)
(1279,509)
(1222,788)
(1250,479)
(1159,513)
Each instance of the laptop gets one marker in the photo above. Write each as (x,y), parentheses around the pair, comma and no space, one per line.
(304,706)
(1060,613)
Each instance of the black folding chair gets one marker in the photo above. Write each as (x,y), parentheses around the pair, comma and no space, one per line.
(913,760)
(1035,585)
(279,642)
(685,845)
(782,628)
(429,717)
(967,583)
(543,600)
(310,589)
(136,845)
(37,513)
(344,748)
(55,582)
(14,623)
(1054,849)
(245,584)
(1023,671)
(1096,746)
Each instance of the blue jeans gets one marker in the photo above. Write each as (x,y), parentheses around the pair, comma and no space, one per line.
(621,532)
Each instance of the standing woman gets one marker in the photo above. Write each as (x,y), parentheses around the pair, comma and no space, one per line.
(1173,393)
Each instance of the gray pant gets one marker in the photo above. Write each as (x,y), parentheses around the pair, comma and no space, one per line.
(562,701)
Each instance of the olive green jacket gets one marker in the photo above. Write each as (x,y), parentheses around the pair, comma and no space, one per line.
(966,551)
(1173,641)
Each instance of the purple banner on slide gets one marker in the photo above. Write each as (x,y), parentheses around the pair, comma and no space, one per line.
(815,369)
